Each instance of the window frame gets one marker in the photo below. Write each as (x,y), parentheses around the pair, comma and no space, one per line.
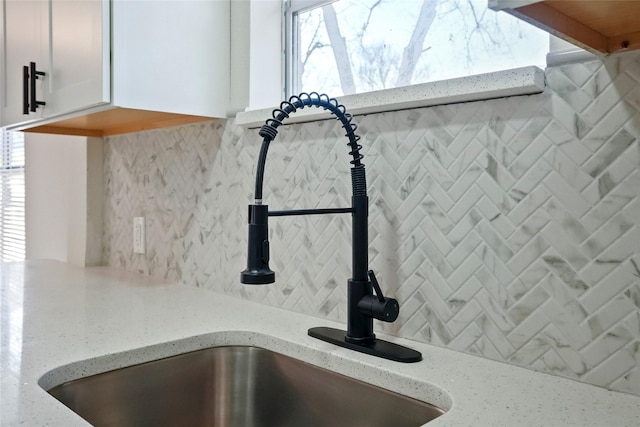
(513,82)
(293,8)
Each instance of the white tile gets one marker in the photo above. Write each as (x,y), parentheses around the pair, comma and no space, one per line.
(527,305)
(533,276)
(494,241)
(608,153)
(464,317)
(608,98)
(495,268)
(495,311)
(527,255)
(570,199)
(528,204)
(611,313)
(629,382)
(609,287)
(463,249)
(571,226)
(495,144)
(565,295)
(493,191)
(530,352)
(530,132)
(566,142)
(528,329)
(462,298)
(571,253)
(612,203)
(436,236)
(498,221)
(564,272)
(465,138)
(607,234)
(567,168)
(565,88)
(464,271)
(466,337)
(558,341)
(495,335)
(633,98)
(530,179)
(463,227)
(465,204)
(438,194)
(435,257)
(552,362)
(464,182)
(604,352)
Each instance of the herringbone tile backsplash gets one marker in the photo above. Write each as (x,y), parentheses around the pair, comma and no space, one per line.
(507,228)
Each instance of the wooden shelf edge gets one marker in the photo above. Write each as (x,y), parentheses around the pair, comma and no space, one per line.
(601,27)
(623,43)
(64,131)
(116,121)
(562,26)
(176,120)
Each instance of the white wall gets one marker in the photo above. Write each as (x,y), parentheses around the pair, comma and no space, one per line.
(256,79)
(63,203)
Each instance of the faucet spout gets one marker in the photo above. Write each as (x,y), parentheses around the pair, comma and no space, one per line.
(363,305)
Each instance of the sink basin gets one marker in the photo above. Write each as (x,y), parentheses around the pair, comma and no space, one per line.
(236,386)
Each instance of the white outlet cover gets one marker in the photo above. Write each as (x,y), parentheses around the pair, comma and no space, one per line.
(138,235)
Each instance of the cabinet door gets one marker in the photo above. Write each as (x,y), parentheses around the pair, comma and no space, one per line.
(25,31)
(172,56)
(79,51)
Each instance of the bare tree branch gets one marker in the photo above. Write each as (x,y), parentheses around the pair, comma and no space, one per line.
(314,44)
(374,70)
(413,50)
(339,50)
(366,23)
(482,29)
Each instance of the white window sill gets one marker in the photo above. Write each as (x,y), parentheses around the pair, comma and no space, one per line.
(519,81)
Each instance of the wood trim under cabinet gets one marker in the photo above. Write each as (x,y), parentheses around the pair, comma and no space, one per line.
(116,121)
(600,26)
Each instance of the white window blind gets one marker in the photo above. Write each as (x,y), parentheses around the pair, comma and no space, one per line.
(12,236)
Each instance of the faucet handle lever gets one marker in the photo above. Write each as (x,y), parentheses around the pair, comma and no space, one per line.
(376,286)
(381,308)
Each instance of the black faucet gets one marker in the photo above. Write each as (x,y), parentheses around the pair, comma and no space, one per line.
(363,305)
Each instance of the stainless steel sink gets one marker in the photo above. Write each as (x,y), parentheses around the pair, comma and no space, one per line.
(233,387)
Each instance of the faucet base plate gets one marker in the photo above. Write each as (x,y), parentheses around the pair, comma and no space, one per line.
(378,347)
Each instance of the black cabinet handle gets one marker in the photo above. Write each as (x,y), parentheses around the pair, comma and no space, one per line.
(34,104)
(25,90)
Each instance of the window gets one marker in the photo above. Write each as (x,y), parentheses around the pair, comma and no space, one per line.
(354,46)
(12,237)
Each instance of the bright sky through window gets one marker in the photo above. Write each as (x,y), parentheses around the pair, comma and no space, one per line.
(355,46)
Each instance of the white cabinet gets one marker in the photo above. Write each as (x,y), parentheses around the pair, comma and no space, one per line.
(172,56)
(117,66)
(56,58)
(79,71)
(25,30)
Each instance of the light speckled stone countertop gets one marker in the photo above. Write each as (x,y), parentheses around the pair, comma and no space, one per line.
(59,322)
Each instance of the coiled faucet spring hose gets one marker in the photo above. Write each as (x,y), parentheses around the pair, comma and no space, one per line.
(297,102)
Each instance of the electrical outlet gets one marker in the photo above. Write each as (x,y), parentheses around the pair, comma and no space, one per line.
(138,235)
